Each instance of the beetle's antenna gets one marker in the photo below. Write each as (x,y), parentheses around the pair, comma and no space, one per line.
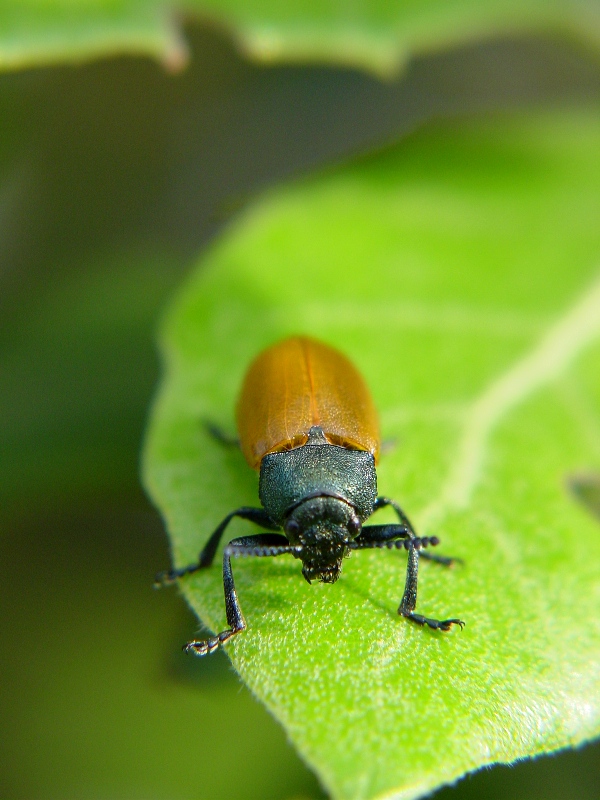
(395,544)
(262,552)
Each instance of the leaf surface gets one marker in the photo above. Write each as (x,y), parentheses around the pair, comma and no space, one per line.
(374,34)
(461,273)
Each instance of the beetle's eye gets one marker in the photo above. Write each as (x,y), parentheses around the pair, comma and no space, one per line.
(353,525)
(292,527)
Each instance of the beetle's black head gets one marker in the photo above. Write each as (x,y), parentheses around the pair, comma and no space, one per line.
(323,526)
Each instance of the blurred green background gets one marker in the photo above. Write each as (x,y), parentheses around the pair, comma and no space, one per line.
(114,176)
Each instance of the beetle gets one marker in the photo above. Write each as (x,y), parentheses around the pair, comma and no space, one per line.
(307,423)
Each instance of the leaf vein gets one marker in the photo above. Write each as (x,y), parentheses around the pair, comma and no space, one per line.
(549,357)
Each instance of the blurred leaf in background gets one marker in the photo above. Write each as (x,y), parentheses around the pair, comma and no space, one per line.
(373,34)
(114,173)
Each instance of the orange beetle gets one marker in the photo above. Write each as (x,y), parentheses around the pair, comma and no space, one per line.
(306,420)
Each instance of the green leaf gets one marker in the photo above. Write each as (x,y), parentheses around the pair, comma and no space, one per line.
(373,34)
(461,272)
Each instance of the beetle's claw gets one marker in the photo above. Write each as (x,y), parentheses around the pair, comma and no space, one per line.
(208,646)
(202,648)
(166,578)
(434,624)
(446,624)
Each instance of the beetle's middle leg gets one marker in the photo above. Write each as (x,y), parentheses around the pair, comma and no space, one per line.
(446,561)
(226,439)
(257,515)
(262,544)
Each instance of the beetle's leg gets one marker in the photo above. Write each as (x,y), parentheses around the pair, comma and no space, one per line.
(257,515)
(262,544)
(382,502)
(409,598)
(220,435)
(383,536)
(383,533)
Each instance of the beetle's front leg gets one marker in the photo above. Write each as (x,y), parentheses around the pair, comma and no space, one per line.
(381,536)
(409,598)
(262,544)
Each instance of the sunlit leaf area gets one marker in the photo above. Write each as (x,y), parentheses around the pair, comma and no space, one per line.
(181,186)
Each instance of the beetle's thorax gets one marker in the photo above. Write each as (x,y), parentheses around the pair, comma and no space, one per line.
(317,469)
(323,527)
(320,494)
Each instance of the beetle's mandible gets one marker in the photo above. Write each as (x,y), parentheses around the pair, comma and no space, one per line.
(306,420)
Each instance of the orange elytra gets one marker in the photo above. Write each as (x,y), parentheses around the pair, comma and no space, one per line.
(295,385)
